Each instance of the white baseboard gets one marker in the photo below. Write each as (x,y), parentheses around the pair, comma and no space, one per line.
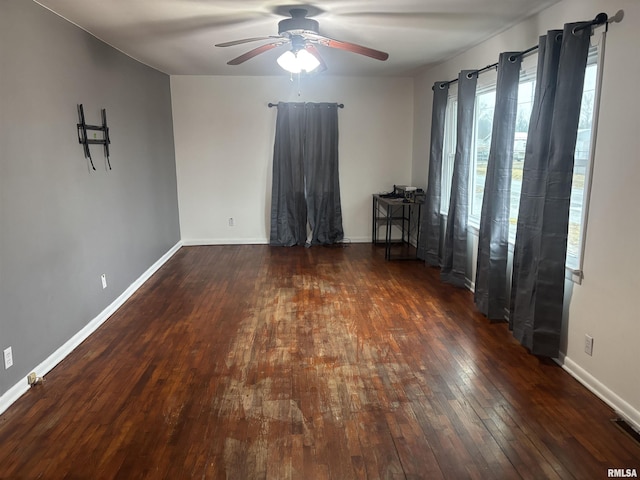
(357,240)
(194,242)
(470,285)
(619,405)
(15,392)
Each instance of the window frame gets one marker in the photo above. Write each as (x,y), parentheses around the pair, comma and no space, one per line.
(598,44)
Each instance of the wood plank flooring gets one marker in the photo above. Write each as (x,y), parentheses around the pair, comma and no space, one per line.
(252,362)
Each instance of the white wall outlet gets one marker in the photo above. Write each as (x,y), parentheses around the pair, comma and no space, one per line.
(103,278)
(8,357)
(588,345)
(232,222)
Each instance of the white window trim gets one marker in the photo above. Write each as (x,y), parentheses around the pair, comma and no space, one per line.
(577,274)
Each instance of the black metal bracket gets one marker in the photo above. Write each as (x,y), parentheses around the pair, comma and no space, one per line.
(85,141)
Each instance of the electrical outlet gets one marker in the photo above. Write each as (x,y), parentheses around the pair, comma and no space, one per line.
(588,345)
(232,222)
(8,357)
(103,278)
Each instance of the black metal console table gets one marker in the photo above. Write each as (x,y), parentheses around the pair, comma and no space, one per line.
(404,214)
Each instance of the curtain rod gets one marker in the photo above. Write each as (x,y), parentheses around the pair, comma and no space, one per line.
(271,105)
(600,19)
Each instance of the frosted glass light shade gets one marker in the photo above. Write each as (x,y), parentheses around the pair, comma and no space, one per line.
(296,62)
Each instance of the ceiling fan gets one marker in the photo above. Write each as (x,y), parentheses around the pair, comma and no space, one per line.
(303,35)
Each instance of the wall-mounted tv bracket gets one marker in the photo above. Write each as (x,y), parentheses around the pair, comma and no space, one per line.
(85,141)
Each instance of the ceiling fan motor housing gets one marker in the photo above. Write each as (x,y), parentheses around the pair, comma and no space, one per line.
(297,22)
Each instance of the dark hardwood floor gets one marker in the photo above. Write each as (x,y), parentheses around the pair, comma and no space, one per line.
(250,362)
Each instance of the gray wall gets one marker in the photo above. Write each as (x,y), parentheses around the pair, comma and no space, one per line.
(62,225)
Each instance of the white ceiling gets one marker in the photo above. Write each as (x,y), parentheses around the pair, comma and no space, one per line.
(178,36)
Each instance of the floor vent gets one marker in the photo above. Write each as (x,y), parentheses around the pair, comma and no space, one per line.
(626,428)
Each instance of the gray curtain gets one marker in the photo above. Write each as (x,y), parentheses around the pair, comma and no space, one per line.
(321,173)
(537,291)
(454,261)
(305,183)
(493,240)
(288,203)
(429,245)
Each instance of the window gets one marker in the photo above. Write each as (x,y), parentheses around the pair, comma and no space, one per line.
(482,126)
(448,152)
(582,164)
(526,92)
(483,122)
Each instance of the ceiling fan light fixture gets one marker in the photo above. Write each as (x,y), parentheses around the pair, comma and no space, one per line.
(298,61)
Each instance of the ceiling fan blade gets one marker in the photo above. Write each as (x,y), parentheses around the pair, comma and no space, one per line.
(348,46)
(245,40)
(311,48)
(256,51)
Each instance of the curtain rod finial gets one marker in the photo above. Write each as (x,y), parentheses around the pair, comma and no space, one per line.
(617,18)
